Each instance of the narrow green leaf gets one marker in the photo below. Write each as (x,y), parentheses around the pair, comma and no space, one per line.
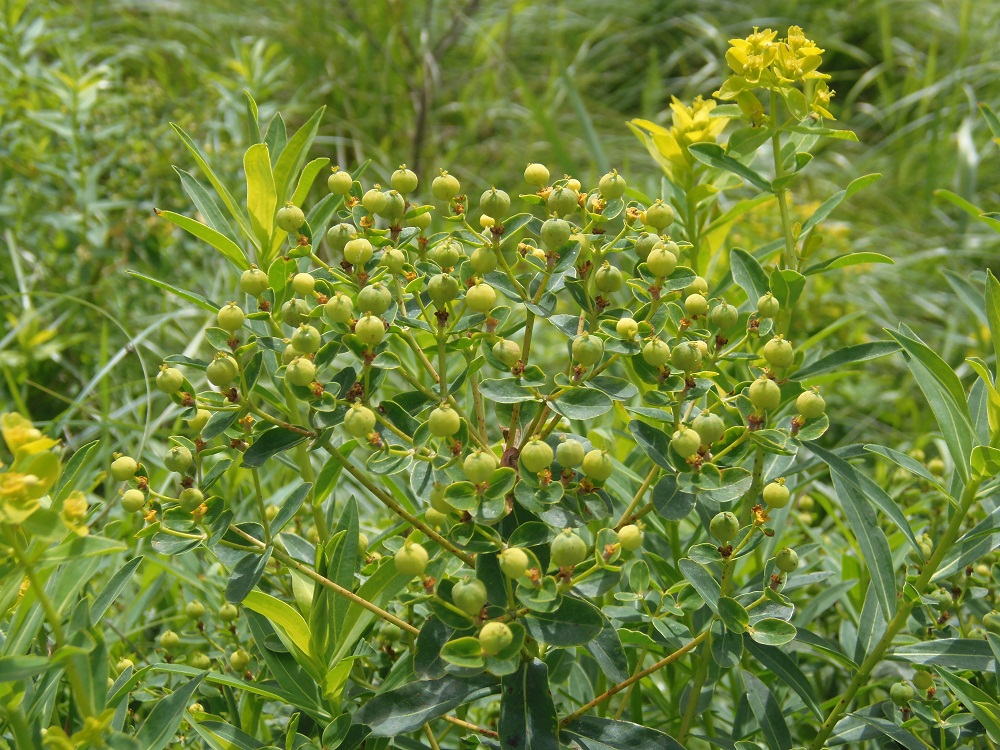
(748,274)
(261,197)
(112,590)
(309,174)
(165,717)
(246,574)
(293,156)
(702,581)
(847,356)
(527,714)
(714,156)
(229,249)
(828,206)
(846,261)
(192,297)
(268,444)
(770,631)
(408,708)
(993,310)
(767,711)
(654,443)
(951,653)
(581,403)
(864,524)
(984,708)
(782,666)
(598,733)
(287,619)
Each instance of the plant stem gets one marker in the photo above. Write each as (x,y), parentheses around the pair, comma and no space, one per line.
(635,678)
(305,570)
(638,496)
(399,510)
(788,255)
(902,614)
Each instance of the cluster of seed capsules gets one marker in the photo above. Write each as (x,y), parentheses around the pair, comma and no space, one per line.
(395,284)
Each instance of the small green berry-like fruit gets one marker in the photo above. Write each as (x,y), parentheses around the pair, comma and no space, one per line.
(709,427)
(442,289)
(536,174)
(901,694)
(942,597)
(303,284)
(936,467)
(481,297)
(228,612)
(199,420)
(612,186)
(645,243)
(597,465)
(495,637)
(695,304)
(661,262)
(514,562)
(239,660)
(199,660)
(627,328)
(339,308)
(686,356)
(123,468)
(630,537)
(290,217)
(362,543)
(447,254)
(660,215)
(768,306)
(568,549)
(395,206)
(724,526)
(194,610)
(222,371)
(685,442)
(786,560)
(374,200)
(495,203)
(306,339)
(370,330)
(588,350)
(562,201)
(301,372)
(375,298)
(656,353)
(190,498)
(778,352)
(253,281)
(340,234)
(556,233)
(393,259)
(358,252)
(411,559)
(178,459)
(169,640)
(483,260)
(776,494)
(724,316)
(169,380)
(991,621)
(765,395)
(438,501)
(339,182)
(404,180)
(230,317)
(537,455)
(469,596)
(390,632)
(359,421)
(421,220)
(295,312)
(443,421)
(698,286)
(479,466)
(133,500)
(810,404)
(570,453)
(124,664)
(445,186)
(923,680)
(507,351)
(608,278)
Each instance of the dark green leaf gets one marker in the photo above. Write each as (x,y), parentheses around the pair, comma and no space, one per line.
(112,589)
(574,623)
(246,574)
(767,711)
(408,708)
(782,666)
(597,733)
(702,581)
(748,274)
(527,714)
(165,717)
(846,356)
(581,403)
(714,156)
(608,652)
(654,442)
(290,507)
(953,653)
(270,443)
(772,632)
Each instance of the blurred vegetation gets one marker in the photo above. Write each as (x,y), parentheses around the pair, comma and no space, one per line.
(88,89)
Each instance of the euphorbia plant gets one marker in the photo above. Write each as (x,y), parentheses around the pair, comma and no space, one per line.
(587,449)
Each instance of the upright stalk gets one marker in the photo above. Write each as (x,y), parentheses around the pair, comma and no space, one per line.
(788,255)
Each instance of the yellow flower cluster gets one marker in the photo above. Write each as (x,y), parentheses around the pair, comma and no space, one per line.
(762,61)
(689,124)
(33,472)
